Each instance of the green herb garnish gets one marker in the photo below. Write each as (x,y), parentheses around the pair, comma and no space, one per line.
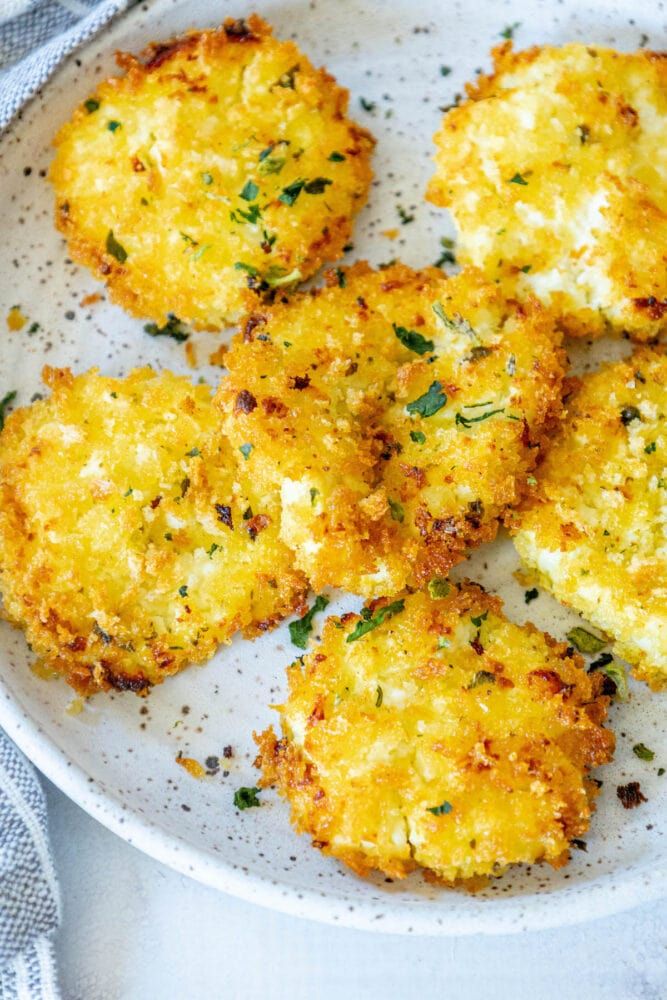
(413,340)
(518,179)
(442,810)
(301,629)
(91,105)
(172,328)
(585,641)
(508,32)
(183,590)
(438,587)
(248,268)
(378,696)
(418,437)
(290,193)
(5,402)
(336,157)
(397,512)
(371,621)
(317,186)
(642,751)
(115,248)
(245,798)
(466,422)
(531,595)
(113,125)
(481,677)
(249,192)
(431,401)
(245,450)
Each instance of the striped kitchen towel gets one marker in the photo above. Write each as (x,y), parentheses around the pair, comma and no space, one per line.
(35,36)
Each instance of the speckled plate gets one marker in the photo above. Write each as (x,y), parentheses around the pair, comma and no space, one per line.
(117,757)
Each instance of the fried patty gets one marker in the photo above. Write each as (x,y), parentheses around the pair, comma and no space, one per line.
(129,544)
(219,167)
(434,733)
(556,174)
(398,413)
(594,528)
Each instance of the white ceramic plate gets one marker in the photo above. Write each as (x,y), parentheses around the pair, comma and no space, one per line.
(117,758)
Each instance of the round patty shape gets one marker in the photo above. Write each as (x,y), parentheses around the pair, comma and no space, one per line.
(555,171)
(397,412)
(129,545)
(435,733)
(219,167)
(593,530)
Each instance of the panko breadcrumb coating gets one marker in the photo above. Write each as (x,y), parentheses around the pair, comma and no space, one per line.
(434,733)
(219,167)
(555,171)
(593,530)
(398,413)
(129,545)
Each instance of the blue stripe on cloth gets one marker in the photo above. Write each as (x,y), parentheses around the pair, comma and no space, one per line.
(50,31)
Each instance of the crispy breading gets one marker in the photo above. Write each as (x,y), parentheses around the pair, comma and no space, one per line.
(446,737)
(220,166)
(556,175)
(398,413)
(593,529)
(129,544)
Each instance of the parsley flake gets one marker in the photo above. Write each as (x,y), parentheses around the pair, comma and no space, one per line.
(413,340)
(443,809)
(336,157)
(518,179)
(397,512)
(430,402)
(172,328)
(6,402)
(246,798)
(301,629)
(183,590)
(438,587)
(642,751)
(91,105)
(113,125)
(585,641)
(249,192)
(290,193)
(115,248)
(418,437)
(245,450)
(371,621)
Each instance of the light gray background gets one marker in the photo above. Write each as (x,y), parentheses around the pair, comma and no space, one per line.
(134,930)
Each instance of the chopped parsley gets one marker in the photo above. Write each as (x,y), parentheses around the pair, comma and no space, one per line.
(249,192)
(317,186)
(518,179)
(246,798)
(91,105)
(430,402)
(336,157)
(413,340)
(585,641)
(404,216)
(418,437)
(313,494)
(248,268)
(466,422)
(289,194)
(214,548)
(650,448)
(443,809)
(531,595)
(445,70)
(115,248)
(447,255)
(207,178)
(193,453)
(172,328)
(113,125)
(301,629)
(397,512)
(478,619)
(245,450)
(371,621)
(642,751)
(378,696)
(272,164)
(367,105)
(183,590)
(286,79)
(508,31)
(438,587)
(6,402)
(616,674)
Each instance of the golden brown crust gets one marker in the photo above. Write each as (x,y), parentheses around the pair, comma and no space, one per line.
(592,526)
(380,490)
(125,550)
(550,169)
(184,159)
(445,738)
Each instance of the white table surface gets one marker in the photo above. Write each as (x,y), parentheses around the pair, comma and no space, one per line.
(134,930)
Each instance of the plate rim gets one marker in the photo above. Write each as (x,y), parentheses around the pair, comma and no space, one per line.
(630,888)
(498,916)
